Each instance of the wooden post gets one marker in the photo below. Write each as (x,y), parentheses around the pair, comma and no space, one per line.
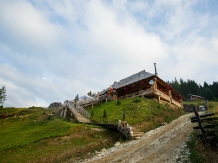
(181,103)
(170,94)
(200,125)
(61,112)
(65,112)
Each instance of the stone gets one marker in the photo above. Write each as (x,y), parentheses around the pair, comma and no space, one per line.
(55,105)
(117,144)
(103,150)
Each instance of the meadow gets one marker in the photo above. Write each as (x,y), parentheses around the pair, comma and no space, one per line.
(39,135)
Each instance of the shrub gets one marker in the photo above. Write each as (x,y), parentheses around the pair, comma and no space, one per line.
(105,113)
(124,115)
(118,102)
(137,100)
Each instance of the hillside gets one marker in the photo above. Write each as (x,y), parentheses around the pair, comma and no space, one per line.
(142,113)
(34,135)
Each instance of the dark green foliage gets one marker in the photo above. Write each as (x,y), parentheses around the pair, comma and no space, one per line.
(124,115)
(2,95)
(49,117)
(118,102)
(92,113)
(209,92)
(77,97)
(194,156)
(91,94)
(105,113)
(137,100)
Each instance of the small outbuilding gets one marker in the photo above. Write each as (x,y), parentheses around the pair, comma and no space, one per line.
(191,97)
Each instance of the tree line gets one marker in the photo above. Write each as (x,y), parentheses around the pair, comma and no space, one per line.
(208,91)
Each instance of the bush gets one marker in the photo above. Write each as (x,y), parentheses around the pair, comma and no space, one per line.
(124,115)
(118,102)
(137,100)
(105,113)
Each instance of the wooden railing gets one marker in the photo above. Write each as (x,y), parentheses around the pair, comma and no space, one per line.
(139,93)
(88,101)
(163,95)
(176,103)
(152,91)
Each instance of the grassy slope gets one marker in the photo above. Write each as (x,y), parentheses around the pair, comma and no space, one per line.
(137,111)
(30,136)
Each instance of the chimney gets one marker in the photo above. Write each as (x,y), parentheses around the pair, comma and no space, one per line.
(155,69)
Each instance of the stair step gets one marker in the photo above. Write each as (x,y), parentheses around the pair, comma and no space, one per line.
(136,135)
(138,132)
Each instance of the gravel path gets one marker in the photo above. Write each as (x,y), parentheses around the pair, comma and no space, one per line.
(159,145)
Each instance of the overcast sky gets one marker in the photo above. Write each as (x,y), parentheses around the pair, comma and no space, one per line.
(51,50)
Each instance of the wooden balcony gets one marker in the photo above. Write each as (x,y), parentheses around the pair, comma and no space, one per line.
(176,103)
(163,95)
(148,92)
(152,92)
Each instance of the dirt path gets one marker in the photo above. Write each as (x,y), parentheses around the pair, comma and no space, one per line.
(158,145)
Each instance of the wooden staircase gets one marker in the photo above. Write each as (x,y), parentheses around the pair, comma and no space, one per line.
(128,131)
(78,111)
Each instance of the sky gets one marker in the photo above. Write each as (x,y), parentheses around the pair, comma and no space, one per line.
(52,50)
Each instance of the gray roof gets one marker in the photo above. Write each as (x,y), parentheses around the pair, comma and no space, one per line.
(132,79)
(103,92)
(194,96)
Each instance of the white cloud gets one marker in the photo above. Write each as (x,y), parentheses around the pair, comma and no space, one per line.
(52,50)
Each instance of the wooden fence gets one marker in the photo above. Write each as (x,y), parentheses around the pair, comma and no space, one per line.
(207,126)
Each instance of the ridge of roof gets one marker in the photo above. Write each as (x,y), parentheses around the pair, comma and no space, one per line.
(132,79)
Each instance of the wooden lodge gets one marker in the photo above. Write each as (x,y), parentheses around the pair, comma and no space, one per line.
(143,84)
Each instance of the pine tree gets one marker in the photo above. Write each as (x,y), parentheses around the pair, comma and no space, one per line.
(208,94)
(77,97)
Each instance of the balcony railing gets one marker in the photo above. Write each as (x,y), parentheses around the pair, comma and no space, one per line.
(176,103)
(150,91)
(139,93)
(163,95)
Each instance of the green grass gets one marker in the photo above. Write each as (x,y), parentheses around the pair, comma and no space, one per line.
(20,132)
(30,136)
(25,128)
(194,157)
(212,105)
(136,110)
(195,102)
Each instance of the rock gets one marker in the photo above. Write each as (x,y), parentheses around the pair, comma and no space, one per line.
(99,155)
(55,105)
(117,144)
(103,150)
